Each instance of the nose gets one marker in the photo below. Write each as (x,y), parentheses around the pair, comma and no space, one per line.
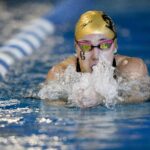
(95,54)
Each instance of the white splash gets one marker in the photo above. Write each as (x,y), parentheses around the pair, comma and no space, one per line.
(98,87)
(134,90)
(92,89)
(61,88)
(84,89)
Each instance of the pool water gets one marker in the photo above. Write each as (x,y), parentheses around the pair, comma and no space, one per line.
(28,122)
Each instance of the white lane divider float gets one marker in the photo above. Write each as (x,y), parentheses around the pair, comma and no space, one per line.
(25,43)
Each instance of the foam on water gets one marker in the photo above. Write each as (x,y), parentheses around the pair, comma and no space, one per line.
(38,142)
(11,115)
(99,87)
(134,90)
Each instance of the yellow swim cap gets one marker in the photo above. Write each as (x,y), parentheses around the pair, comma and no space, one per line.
(95,22)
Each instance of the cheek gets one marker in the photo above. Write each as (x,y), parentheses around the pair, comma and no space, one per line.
(112,49)
(88,59)
(107,56)
(109,53)
(86,62)
(88,55)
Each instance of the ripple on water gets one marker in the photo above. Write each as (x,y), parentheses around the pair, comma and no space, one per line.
(12,115)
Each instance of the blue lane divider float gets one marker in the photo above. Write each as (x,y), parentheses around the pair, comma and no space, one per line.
(25,43)
(31,37)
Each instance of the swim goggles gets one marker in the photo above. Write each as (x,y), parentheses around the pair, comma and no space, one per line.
(103,45)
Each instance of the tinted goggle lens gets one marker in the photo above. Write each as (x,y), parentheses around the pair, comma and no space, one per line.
(86,47)
(103,46)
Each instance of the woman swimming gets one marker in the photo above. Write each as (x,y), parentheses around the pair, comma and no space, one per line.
(95,41)
(95,36)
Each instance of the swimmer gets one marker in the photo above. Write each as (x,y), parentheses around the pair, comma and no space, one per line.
(96,38)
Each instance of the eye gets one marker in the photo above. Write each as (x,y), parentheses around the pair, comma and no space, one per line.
(105,45)
(85,47)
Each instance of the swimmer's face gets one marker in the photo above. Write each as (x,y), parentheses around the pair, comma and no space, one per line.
(93,47)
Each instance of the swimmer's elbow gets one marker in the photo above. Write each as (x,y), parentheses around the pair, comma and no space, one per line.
(142,68)
(133,68)
(54,73)
(58,70)
(50,76)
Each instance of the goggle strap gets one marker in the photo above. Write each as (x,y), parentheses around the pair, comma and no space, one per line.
(115,52)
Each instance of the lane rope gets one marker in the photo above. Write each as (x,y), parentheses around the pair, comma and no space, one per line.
(25,43)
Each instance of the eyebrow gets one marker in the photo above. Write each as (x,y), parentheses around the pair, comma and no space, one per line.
(84,41)
(87,41)
(103,39)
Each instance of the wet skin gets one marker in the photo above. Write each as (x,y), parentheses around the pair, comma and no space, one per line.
(92,57)
(129,67)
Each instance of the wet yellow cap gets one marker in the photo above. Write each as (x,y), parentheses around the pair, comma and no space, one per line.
(95,22)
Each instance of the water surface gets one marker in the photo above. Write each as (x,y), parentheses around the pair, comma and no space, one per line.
(26,121)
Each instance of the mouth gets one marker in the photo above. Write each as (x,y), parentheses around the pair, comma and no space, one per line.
(93,65)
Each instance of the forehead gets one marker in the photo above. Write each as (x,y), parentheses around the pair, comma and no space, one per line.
(94,38)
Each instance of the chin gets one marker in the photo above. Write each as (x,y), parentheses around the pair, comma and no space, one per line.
(86,70)
(89,70)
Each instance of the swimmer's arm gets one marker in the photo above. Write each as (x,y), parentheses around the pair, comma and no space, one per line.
(60,68)
(131,67)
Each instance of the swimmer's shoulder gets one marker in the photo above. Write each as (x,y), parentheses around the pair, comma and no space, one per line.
(61,67)
(131,67)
